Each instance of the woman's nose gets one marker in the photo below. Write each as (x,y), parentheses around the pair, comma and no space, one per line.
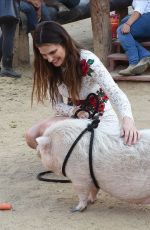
(50,59)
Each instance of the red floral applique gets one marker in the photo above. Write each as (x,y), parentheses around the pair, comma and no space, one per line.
(102,97)
(85,67)
(91,104)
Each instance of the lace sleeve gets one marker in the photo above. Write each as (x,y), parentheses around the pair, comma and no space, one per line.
(116,96)
(62,109)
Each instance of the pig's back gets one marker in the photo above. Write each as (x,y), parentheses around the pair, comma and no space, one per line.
(121,170)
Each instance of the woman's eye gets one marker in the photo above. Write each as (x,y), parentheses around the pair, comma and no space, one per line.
(44,57)
(53,52)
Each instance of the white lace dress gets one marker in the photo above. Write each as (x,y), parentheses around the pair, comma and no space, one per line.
(98,77)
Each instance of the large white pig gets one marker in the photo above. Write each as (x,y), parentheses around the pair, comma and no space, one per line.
(120,170)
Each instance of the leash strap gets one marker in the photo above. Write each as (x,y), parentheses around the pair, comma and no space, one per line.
(41,178)
(91,160)
(70,151)
(89,128)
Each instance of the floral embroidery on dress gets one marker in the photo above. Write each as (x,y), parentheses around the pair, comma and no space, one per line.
(90,103)
(102,99)
(85,67)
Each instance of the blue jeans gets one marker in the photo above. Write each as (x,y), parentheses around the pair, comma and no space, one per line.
(6,43)
(139,31)
(70,3)
(47,14)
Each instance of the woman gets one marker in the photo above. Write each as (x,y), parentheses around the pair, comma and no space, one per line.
(68,71)
(136,28)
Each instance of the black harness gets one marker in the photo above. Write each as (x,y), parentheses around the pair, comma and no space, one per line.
(90,128)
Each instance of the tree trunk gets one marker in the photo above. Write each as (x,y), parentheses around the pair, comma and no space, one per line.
(21,44)
(101,28)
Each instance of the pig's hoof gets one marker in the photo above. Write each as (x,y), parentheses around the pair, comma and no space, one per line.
(78,209)
(91,201)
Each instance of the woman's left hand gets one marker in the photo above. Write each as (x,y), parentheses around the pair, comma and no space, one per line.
(125,28)
(129,131)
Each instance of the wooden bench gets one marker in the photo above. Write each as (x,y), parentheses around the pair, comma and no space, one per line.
(113,58)
(138,78)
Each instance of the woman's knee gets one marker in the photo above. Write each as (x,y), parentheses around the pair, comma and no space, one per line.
(120,35)
(38,130)
(34,132)
(119,29)
(69,3)
(30,137)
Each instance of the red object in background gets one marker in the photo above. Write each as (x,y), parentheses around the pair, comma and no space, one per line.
(114,20)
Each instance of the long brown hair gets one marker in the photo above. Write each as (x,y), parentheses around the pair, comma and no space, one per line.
(46,75)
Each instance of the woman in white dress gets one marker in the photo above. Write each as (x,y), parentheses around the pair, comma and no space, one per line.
(65,70)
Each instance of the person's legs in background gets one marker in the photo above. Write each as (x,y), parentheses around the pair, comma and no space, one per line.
(141,30)
(136,53)
(48,13)
(30,12)
(129,45)
(70,3)
(6,50)
(1,39)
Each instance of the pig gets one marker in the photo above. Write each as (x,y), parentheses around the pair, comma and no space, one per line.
(122,171)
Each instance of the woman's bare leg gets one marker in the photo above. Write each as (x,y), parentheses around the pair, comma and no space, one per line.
(38,130)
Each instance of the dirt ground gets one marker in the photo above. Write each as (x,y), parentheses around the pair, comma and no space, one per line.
(45,206)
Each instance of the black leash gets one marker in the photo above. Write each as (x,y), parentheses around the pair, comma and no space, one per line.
(40,177)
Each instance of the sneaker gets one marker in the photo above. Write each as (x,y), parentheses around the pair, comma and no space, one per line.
(142,66)
(127,71)
(9,72)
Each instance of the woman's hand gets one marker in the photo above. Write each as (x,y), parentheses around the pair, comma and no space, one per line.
(35,3)
(125,28)
(82,115)
(129,131)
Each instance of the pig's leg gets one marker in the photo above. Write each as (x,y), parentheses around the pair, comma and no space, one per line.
(93,194)
(83,193)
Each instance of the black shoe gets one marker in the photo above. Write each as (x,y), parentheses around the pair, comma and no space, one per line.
(9,72)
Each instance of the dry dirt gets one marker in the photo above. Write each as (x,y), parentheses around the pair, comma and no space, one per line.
(45,206)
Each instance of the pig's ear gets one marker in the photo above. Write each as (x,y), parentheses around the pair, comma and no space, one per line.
(43,141)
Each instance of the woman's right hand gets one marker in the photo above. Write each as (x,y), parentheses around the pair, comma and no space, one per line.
(129,131)
(83,115)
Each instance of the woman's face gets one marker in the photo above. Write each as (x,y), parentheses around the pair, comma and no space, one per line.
(53,53)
